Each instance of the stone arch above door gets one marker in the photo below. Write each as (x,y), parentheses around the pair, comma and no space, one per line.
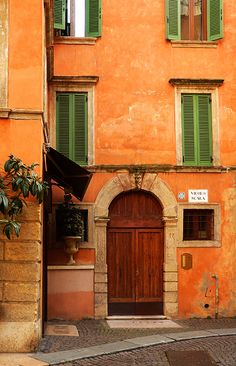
(124,182)
(148,182)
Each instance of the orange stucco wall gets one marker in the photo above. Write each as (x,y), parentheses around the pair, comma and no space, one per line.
(23,138)
(70,294)
(135,124)
(133,97)
(26,54)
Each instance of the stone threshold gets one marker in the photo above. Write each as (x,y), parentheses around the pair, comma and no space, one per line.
(56,358)
(136,317)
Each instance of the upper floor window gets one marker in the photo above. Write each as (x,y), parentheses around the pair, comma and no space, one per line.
(196,129)
(194,20)
(77,18)
(72,126)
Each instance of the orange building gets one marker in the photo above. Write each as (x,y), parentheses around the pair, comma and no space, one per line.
(140,95)
(22,116)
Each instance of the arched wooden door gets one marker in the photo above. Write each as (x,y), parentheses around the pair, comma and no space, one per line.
(135,255)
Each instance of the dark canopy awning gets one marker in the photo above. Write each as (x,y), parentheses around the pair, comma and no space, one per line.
(67,173)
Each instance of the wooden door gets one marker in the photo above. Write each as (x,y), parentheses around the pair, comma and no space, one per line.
(121,264)
(135,257)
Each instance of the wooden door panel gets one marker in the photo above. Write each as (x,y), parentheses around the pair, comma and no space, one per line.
(149,265)
(121,275)
(135,255)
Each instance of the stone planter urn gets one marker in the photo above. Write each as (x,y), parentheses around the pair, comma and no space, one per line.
(71,226)
(71,247)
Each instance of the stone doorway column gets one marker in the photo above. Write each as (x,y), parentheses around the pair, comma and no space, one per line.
(100,270)
(170,270)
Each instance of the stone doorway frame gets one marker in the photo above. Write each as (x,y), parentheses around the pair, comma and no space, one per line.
(149,182)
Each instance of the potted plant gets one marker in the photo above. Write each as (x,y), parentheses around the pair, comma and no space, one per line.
(70,226)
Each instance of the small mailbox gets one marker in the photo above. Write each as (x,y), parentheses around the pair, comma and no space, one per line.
(186,261)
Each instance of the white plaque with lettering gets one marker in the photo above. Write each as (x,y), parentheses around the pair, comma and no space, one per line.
(198,195)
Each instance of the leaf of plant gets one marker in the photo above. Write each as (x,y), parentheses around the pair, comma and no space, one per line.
(16,227)
(8,165)
(5,203)
(7,230)
(33,188)
(25,189)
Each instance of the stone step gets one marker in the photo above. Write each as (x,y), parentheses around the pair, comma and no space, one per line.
(136,317)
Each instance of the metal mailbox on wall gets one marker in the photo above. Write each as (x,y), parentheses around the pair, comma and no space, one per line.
(186,261)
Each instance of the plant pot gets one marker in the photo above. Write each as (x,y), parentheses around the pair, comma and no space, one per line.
(71,247)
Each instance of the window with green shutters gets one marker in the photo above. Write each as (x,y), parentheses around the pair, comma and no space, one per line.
(196,20)
(196,129)
(72,126)
(77,18)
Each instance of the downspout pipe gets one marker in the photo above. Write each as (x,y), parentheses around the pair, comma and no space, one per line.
(216,295)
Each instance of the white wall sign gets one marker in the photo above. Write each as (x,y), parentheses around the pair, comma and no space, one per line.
(198,195)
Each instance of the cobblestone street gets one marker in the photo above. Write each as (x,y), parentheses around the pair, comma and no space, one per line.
(221,349)
(94,334)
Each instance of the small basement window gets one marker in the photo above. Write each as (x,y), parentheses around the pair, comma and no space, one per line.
(198,224)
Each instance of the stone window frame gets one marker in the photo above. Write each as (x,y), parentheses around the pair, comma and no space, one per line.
(74,85)
(186,86)
(217,226)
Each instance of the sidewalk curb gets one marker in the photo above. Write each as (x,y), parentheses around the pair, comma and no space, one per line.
(55,358)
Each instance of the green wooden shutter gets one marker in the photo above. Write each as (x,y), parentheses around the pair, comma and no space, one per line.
(60,14)
(214,19)
(80,140)
(93,11)
(204,129)
(188,130)
(63,121)
(173,19)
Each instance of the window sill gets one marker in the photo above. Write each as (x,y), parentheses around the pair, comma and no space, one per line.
(75,40)
(199,244)
(194,44)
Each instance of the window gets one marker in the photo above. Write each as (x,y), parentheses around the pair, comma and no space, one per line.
(199,118)
(71,126)
(198,224)
(194,20)
(84,218)
(196,129)
(77,18)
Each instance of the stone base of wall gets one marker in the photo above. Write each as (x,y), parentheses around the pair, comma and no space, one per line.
(19,336)
(20,275)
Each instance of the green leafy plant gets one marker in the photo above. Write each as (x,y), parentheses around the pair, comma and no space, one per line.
(69,218)
(18,182)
